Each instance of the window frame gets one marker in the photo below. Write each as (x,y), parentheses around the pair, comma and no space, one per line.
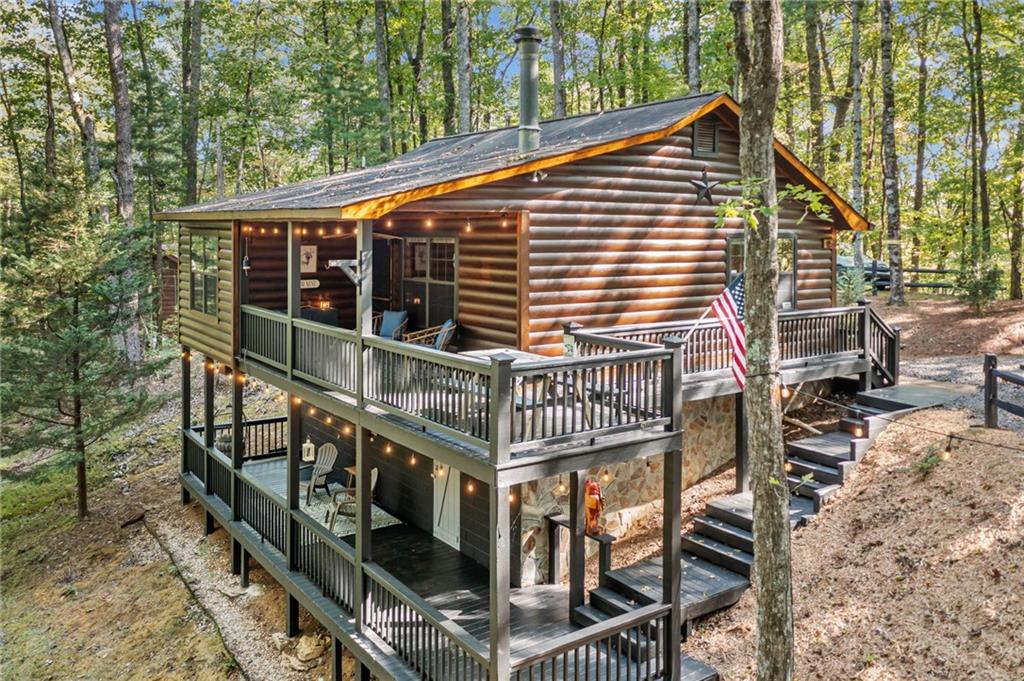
(429,279)
(740,239)
(204,271)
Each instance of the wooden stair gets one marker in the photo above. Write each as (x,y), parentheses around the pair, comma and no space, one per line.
(717,555)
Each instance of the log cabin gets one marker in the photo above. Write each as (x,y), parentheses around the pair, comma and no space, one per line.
(468,335)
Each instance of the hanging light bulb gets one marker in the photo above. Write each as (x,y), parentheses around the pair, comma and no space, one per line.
(347,430)
(430,223)
(561,485)
(389,224)
(511,497)
(387,448)
(412,459)
(469,226)
(328,420)
(470,487)
(948,451)
(606,476)
(786,391)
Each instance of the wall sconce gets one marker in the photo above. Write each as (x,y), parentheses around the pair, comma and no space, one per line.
(308,451)
(538,176)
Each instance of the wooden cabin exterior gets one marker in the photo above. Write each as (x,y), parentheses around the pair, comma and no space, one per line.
(572,271)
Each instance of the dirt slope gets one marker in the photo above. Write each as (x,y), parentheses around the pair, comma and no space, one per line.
(908,574)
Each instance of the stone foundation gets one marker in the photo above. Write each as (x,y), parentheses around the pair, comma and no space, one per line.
(634,489)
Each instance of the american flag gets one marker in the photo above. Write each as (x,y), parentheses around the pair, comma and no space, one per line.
(728,307)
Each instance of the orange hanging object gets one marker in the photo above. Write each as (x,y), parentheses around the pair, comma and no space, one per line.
(593,501)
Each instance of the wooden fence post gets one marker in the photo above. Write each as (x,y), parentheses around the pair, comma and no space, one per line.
(991,391)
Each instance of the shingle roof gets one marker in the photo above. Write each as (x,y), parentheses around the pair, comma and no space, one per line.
(455,157)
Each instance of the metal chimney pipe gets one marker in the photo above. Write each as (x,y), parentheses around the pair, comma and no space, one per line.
(528,38)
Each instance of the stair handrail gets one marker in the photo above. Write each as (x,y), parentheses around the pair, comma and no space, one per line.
(887,363)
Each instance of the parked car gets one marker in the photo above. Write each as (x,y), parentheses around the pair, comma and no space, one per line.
(876,272)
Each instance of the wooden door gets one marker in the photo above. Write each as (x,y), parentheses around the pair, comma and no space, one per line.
(446,504)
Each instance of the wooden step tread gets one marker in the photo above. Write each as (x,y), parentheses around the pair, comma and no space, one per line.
(718,553)
(724,532)
(738,509)
(799,466)
(611,601)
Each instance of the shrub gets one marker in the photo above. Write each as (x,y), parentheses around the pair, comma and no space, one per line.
(979,284)
(851,287)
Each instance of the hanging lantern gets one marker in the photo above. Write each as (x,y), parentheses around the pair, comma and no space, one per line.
(308,451)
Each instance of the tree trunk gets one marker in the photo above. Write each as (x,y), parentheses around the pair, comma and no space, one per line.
(12,133)
(620,64)
(759,52)
(1017,215)
(124,171)
(77,422)
(465,65)
(148,110)
(986,224)
(419,83)
(557,58)
(83,119)
(693,46)
(191,71)
(328,84)
(247,105)
(857,186)
(50,136)
(973,92)
(814,88)
(600,55)
(448,66)
(380,19)
(890,170)
(920,139)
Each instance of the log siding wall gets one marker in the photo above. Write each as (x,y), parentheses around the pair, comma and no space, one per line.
(619,238)
(211,335)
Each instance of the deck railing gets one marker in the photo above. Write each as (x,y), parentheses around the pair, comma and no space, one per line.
(219,476)
(325,355)
(803,335)
(261,438)
(629,646)
(436,647)
(326,560)
(556,400)
(264,512)
(195,455)
(264,335)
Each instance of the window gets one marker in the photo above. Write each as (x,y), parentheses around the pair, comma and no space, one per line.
(430,268)
(705,138)
(786,249)
(203,253)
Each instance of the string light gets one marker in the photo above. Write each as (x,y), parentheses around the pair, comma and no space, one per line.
(788,467)
(511,498)
(347,430)
(412,459)
(276,231)
(312,411)
(470,487)
(948,451)
(430,223)
(388,448)
(606,476)
(297,400)
(858,431)
(329,420)
(469,226)
(263,230)
(561,485)
(241,379)
(337,230)
(786,392)
(320,232)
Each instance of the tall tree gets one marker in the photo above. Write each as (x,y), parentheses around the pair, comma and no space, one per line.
(693,45)
(191,72)
(986,221)
(465,68)
(124,170)
(383,72)
(448,65)
(12,136)
(1015,216)
(84,119)
(972,82)
(856,181)
(817,139)
(890,168)
(920,137)
(759,51)
(557,58)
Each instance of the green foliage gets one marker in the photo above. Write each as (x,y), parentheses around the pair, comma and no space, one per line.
(851,287)
(929,463)
(749,207)
(978,285)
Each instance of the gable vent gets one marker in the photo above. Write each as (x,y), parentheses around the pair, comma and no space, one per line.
(705,138)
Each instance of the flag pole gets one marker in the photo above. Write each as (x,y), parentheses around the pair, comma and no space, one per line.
(695,324)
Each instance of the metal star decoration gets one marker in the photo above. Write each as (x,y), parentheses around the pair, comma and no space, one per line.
(704,187)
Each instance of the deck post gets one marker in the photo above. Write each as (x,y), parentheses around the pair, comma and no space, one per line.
(894,355)
(577,537)
(991,394)
(742,455)
(671,527)
(292,475)
(236,557)
(569,330)
(237,440)
(292,617)
(865,342)
(500,525)
(337,672)
(209,373)
(294,276)
(364,306)
(244,568)
(186,412)
(364,526)
(499,430)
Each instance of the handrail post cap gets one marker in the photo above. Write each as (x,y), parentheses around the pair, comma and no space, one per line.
(570,327)
(672,341)
(503,358)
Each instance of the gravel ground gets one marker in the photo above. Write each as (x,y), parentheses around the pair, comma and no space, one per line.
(967,370)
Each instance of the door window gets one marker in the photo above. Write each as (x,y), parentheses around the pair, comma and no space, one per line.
(786,249)
(430,268)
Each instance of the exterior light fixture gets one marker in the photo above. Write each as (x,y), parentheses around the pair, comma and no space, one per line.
(328,420)
(308,450)
(538,176)
(606,476)
(412,459)
(470,487)
(388,224)
(561,485)
(786,392)
(347,430)
(430,223)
